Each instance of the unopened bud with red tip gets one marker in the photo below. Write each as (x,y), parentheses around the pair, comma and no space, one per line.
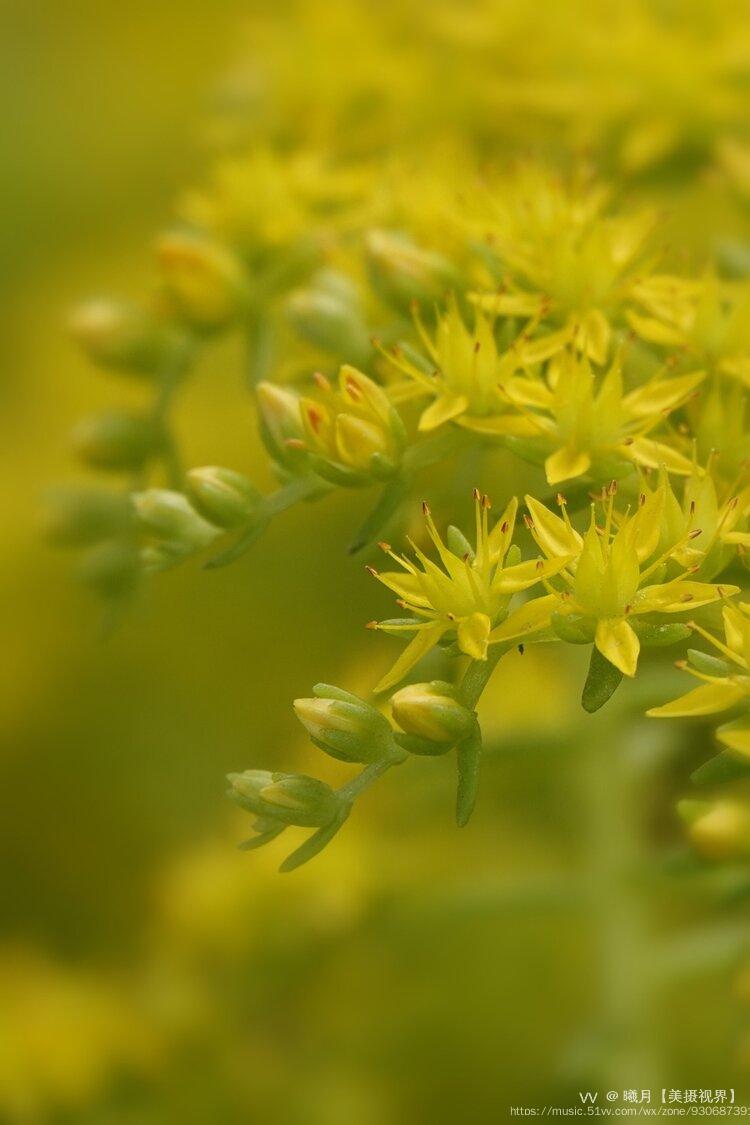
(288,798)
(280,421)
(122,336)
(204,282)
(343,725)
(433,711)
(224,497)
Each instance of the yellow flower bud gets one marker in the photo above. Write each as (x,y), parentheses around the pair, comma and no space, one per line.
(203,280)
(432,711)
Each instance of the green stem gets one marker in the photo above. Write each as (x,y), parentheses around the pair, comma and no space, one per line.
(443,445)
(370,774)
(259,338)
(478,674)
(168,384)
(614,801)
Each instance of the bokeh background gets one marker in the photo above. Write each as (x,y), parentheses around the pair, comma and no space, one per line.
(150,972)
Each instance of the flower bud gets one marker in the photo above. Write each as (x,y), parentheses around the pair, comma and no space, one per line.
(719,829)
(344,726)
(123,337)
(327,315)
(115,440)
(358,441)
(76,517)
(286,797)
(111,569)
(204,281)
(224,497)
(432,711)
(402,272)
(280,422)
(170,516)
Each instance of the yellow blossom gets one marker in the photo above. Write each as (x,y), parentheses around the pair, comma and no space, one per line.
(467,595)
(725,682)
(609,583)
(469,372)
(583,425)
(561,255)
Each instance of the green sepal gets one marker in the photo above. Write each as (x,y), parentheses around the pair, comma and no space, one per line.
(423,747)
(459,544)
(267,830)
(602,682)
(705,662)
(573,628)
(659,636)
(724,767)
(314,844)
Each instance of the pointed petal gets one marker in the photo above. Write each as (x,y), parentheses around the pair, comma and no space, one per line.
(554,535)
(654,454)
(617,641)
(653,330)
(681,596)
(736,736)
(425,639)
(473,634)
(566,463)
(704,700)
(661,395)
(528,618)
(444,408)
(520,577)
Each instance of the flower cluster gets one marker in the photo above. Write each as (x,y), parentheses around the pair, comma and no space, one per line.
(522,322)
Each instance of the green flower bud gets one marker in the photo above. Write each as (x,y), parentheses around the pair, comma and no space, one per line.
(343,725)
(328,316)
(286,797)
(111,569)
(115,441)
(224,497)
(281,423)
(123,337)
(170,516)
(402,272)
(76,517)
(204,282)
(433,712)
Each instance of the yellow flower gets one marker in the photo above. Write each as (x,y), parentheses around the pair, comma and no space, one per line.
(352,433)
(465,596)
(583,425)
(606,586)
(469,372)
(560,255)
(716,519)
(708,319)
(725,682)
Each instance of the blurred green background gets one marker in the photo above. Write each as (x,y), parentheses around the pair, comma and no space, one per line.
(150,972)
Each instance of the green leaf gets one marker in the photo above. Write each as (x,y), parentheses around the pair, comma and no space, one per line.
(469,755)
(602,682)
